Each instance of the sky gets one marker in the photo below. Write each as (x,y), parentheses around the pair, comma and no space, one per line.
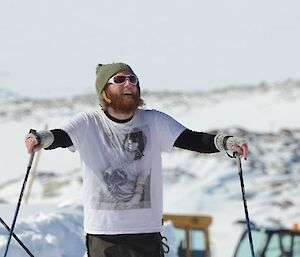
(51,48)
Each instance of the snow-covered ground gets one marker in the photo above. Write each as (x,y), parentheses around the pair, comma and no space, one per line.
(50,49)
(267,115)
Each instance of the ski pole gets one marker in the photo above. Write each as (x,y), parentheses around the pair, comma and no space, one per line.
(17,239)
(19,203)
(239,165)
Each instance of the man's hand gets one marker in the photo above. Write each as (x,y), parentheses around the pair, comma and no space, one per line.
(242,150)
(32,145)
(36,140)
(33,141)
(237,144)
(232,143)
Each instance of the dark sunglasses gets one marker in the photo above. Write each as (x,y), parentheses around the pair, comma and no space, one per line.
(121,79)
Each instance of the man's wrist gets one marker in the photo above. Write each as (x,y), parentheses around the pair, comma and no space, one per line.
(224,142)
(43,137)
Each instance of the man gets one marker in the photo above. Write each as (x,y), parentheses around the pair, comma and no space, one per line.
(120,148)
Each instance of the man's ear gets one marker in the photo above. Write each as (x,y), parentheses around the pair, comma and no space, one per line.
(105,98)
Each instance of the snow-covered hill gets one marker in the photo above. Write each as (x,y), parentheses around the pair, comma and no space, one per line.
(267,115)
(56,234)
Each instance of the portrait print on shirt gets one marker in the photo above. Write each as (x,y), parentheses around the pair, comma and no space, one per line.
(126,180)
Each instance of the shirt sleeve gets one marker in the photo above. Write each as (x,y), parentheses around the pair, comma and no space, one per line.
(76,128)
(196,141)
(61,139)
(168,130)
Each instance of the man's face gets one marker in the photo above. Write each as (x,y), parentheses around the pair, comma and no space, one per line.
(125,97)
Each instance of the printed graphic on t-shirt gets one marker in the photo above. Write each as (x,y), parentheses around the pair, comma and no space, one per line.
(125,183)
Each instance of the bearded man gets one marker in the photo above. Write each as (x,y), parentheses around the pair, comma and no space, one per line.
(120,147)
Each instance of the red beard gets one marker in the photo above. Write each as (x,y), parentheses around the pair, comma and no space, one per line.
(123,103)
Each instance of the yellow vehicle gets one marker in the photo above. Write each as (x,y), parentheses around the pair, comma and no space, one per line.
(192,239)
(192,234)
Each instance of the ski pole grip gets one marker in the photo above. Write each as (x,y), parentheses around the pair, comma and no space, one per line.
(236,154)
(37,136)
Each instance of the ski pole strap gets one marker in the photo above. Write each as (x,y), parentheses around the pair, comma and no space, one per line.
(226,148)
(164,248)
(235,155)
(231,156)
(36,135)
(225,141)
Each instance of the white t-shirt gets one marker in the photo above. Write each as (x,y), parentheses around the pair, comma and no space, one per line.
(121,163)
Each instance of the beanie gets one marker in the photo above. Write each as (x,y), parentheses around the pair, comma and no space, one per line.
(105,71)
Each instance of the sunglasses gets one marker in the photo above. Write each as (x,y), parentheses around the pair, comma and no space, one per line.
(121,79)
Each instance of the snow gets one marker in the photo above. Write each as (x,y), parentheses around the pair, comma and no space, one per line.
(193,183)
(40,234)
(59,233)
(187,56)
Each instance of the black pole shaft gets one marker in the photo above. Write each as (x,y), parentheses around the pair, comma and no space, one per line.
(19,204)
(237,157)
(16,237)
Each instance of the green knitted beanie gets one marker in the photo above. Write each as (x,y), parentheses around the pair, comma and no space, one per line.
(105,71)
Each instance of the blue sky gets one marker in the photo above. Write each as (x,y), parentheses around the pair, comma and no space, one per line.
(51,48)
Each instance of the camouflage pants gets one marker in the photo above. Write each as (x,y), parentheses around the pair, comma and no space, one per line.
(125,245)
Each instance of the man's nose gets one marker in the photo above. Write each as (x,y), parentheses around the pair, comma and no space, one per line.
(127,82)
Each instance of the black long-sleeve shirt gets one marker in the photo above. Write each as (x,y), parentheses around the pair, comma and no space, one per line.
(190,140)
(196,141)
